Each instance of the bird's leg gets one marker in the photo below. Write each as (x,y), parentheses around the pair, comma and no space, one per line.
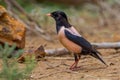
(74,65)
(78,58)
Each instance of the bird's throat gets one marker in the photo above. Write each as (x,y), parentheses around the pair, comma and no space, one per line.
(58,28)
(62,23)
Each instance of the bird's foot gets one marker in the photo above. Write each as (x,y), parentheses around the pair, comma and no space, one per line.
(75,68)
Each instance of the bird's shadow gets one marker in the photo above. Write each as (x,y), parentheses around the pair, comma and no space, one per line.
(95,68)
(87,68)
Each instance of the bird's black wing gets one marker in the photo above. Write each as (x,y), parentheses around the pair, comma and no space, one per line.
(78,40)
(84,44)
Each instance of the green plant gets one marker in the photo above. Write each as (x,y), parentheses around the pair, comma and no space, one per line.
(11,70)
(2,3)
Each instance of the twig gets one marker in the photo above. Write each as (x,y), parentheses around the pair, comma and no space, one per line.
(51,66)
(63,51)
(107,45)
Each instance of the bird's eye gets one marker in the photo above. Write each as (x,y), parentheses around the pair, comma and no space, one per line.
(56,15)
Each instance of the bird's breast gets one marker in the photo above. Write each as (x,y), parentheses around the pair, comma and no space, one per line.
(71,46)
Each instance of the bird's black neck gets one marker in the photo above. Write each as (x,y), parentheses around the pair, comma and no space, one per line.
(60,23)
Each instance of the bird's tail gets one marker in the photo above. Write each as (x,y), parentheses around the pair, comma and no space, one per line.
(97,55)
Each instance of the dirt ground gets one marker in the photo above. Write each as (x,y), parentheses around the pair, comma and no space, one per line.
(57,68)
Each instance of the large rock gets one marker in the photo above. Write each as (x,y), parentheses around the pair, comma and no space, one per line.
(11,30)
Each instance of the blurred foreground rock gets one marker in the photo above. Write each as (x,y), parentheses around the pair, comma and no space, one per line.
(11,30)
(37,54)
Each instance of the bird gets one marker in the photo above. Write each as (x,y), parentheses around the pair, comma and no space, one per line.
(72,40)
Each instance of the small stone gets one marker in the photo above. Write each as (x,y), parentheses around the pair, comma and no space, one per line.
(82,76)
(112,64)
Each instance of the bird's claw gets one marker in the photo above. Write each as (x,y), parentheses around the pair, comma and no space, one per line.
(75,68)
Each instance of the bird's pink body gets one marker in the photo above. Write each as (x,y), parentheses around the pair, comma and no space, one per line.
(71,46)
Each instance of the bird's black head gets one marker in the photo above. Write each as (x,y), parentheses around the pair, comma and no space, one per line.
(60,18)
(57,15)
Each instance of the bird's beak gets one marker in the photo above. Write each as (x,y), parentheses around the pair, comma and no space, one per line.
(48,14)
